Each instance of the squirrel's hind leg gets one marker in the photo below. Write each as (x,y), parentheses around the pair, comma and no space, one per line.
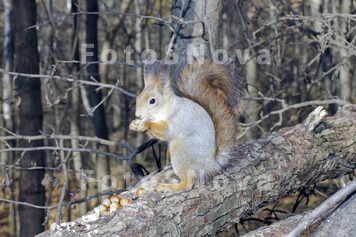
(186,163)
(181,163)
(184,184)
(186,178)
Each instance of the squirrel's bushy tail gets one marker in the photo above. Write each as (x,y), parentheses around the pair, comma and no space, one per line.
(218,89)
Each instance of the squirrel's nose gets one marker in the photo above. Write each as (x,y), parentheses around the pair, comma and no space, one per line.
(139,116)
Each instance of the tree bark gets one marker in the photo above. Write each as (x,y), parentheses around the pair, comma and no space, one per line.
(6,110)
(95,97)
(28,92)
(341,223)
(345,75)
(98,118)
(75,106)
(196,39)
(264,170)
(338,221)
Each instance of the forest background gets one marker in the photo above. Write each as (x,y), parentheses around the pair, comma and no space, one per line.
(65,113)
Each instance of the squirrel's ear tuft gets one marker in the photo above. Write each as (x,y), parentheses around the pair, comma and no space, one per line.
(156,72)
(151,69)
(155,68)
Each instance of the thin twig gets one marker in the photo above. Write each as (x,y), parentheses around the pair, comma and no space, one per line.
(286,107)
(70,79)
(91,111)
(14,136)
(175,31)
(60,205)
(113,12)
(322,208)
(75,201)
(51,148)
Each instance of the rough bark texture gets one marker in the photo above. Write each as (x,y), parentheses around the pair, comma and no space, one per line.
(264,170)
(28,91)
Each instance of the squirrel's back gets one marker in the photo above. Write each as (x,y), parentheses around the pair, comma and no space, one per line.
(217,88)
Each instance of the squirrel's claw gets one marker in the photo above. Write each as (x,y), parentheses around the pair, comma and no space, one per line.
(137,125)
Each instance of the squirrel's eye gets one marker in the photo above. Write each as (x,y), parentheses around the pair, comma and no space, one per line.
(152,101)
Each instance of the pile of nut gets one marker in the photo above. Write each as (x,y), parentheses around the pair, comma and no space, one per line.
(114,203)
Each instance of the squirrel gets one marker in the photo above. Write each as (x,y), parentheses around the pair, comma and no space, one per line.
(196,113)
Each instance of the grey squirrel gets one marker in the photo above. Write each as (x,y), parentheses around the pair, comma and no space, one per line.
(196,112)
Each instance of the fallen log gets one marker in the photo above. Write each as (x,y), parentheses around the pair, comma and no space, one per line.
(264,170)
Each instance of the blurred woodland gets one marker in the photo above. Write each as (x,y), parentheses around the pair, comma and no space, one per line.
(68,92)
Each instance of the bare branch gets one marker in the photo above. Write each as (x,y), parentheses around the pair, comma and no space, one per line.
(71,79)
(60,205)
(97,140)
(175,31)
(75,201)
(330,203)
(286,107)
(113,12)
(51,148)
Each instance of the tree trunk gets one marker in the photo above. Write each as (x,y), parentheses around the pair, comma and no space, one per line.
(75,106)
(6,108)
(196,39)
(28,91)
(345,75)
(95,97)
(264,170)
(7,57)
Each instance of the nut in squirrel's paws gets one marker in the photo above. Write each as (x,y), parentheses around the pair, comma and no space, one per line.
(137,125)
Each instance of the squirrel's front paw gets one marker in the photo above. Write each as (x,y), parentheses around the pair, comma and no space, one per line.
(137,125)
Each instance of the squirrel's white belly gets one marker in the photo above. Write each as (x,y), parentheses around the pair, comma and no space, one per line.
(194,143)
